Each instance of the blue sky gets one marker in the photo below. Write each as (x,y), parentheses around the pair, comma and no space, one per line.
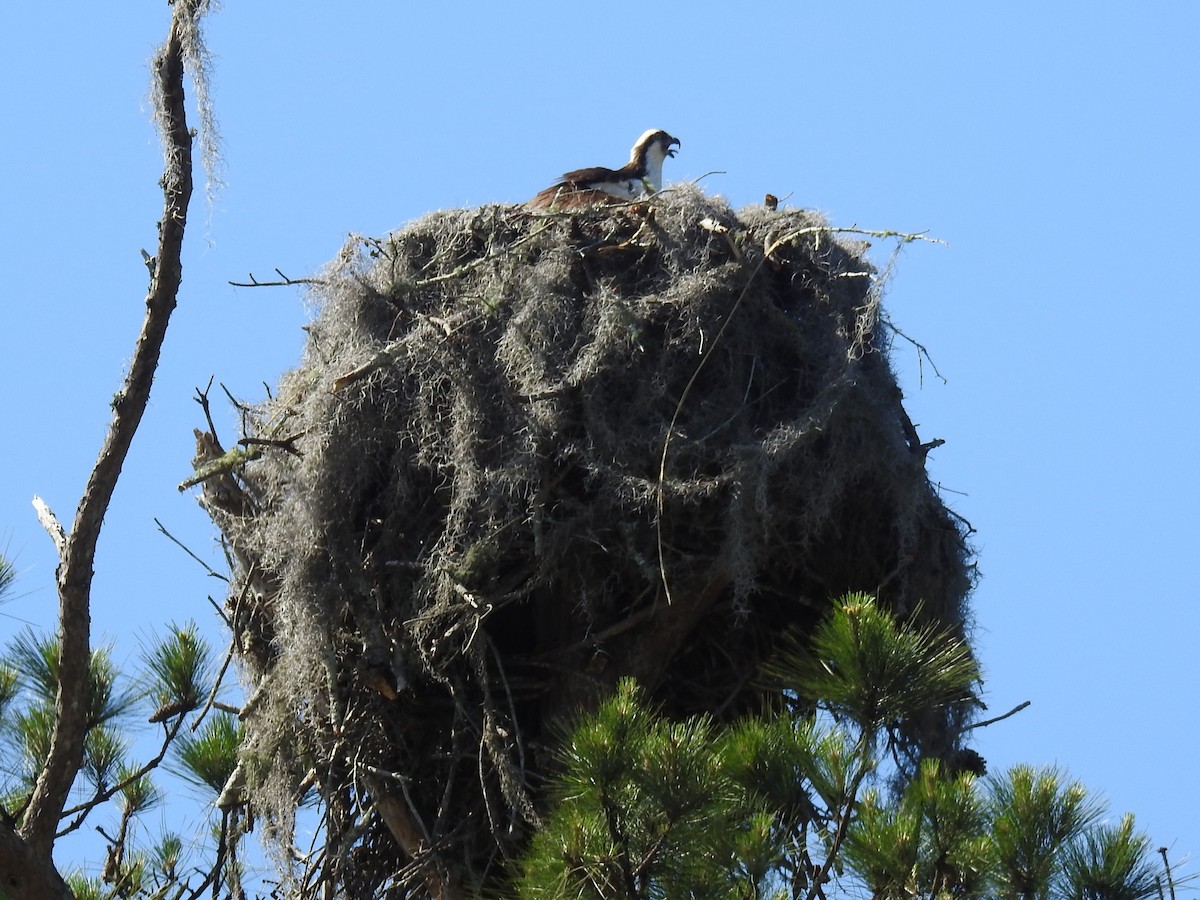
(1054,147)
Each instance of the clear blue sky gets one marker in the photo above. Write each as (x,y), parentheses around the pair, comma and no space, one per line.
(1053,146)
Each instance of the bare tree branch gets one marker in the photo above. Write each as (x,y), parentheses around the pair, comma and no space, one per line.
(1012,712)
(25,856)
(51,524)
(284,281)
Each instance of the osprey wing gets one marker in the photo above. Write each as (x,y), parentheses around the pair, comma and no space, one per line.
(566,195)
(590,175)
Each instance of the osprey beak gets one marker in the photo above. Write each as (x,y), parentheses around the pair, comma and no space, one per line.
(670,152)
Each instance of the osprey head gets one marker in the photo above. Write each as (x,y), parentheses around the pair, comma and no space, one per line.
(648,154)
(653,140)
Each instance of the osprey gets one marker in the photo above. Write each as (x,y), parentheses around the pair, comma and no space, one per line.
(598,185)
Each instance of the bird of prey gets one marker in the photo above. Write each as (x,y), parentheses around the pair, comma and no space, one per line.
(598,185)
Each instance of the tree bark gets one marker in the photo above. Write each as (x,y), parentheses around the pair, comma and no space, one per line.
(25,875)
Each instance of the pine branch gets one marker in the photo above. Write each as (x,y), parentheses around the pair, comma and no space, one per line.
(80,812)
(844,817)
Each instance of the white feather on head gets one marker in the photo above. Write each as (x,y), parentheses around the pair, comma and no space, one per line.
(648,154)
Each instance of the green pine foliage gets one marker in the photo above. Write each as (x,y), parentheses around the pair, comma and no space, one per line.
(28,684)
(8,575)
(104,756)
(167,857)
(208,758)
(932,841)
(645,809)
(1035,813)
(36,657)
(178,679)
(10,684)
(1110,862)
(866,670)
(181,671)
(798,806)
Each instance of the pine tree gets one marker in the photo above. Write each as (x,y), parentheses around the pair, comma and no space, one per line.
(798,805)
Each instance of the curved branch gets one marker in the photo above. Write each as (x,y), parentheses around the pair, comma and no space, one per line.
(74,574)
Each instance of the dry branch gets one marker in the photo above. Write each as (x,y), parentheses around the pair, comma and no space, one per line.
(50,522)
(227,463)
(25,856)
(1000,718)
(284,281)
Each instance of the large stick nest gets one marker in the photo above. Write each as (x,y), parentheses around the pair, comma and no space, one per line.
(525,455)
